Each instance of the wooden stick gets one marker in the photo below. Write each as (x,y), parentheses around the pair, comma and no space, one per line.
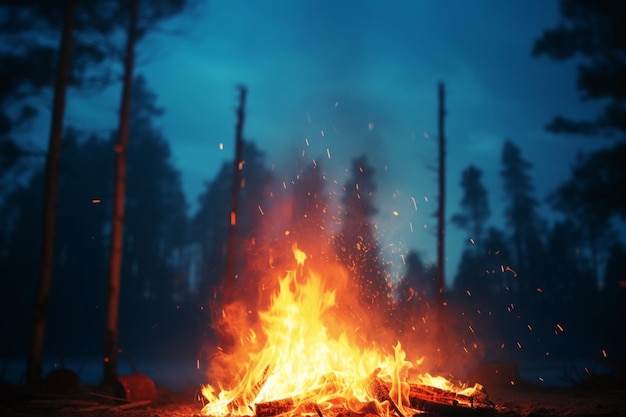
(116,407)
(274,408)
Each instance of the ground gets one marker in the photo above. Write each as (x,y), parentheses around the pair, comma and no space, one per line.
(524,400)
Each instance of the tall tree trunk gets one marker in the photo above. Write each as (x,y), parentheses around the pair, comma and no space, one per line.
(441,328)
(117,222)
(231,249)
(441,213)
(34,367)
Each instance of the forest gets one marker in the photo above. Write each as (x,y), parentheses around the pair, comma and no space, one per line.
(533,289)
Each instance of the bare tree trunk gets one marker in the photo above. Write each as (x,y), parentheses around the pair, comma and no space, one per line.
(34,367)
(117,222)
(441,224)
(231,249)
(441,216)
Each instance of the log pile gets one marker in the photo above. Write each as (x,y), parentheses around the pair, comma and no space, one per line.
(424,400)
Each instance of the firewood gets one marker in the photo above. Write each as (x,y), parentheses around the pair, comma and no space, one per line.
(246,399)
(379,389)
(274,408)
(424,393)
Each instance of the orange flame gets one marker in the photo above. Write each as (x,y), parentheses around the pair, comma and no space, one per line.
(307,352)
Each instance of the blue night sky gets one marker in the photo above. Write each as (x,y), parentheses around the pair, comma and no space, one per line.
(361,76)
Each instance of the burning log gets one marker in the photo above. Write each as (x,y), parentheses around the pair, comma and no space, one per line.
(274,408)
(379,389)
(431,399)
(247,398)
(421,395)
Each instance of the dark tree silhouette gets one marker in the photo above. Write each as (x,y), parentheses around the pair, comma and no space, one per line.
(475,206)
(111,333)
(582,202)
(417,296)
(208,233)
(355,243)
(614,296)
(570,295)
(210,225)
(310,211)
(594,34)
(139,18)
(53,159)
(20,220)
(521,217)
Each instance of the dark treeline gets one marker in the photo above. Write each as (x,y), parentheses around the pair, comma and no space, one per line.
(529,288)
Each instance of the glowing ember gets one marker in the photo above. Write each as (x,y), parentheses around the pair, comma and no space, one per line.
(308,356)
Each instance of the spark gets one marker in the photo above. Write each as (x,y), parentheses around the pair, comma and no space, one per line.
(322,133)
(221,146)
(468,292)
(540,378)
(395,213)
(306,140)
(508,268)
(197,363)
(328,152)
(414,203)
(96,201)
(411,226)
(472,241)
(604,353)
(336,104)
(560,327)
(539,290)
(426,135)
(426,198)
(233,218)
(519,345)
(529,327)
(261,210)
(370,126)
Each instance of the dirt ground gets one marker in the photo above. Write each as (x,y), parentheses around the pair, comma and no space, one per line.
(518,401)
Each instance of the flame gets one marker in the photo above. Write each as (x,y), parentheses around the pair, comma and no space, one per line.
(308,352)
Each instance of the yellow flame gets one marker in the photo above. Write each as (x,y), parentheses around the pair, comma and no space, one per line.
(301,361)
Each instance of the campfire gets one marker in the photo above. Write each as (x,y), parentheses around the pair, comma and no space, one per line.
(305,353)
